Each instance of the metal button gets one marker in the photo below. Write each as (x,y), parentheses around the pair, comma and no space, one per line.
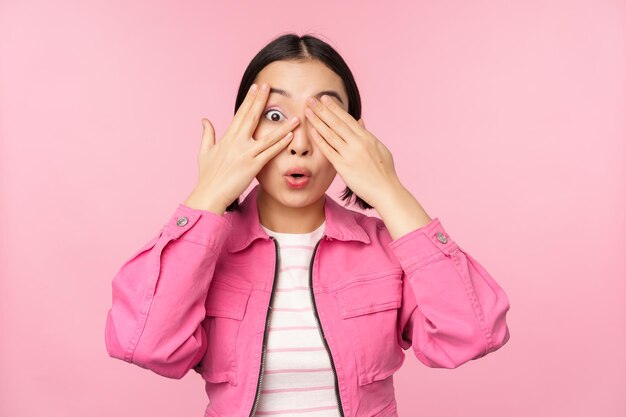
(182,221)
(442,238)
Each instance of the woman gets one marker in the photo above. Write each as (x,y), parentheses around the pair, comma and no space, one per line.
(290,302)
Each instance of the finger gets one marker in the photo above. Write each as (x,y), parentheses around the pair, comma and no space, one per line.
(208,135)
(282,130)
(338,111)
(243,109)
(362,122)
(264,151)
(327,133)
(331,120)
(329,152)
(253,115)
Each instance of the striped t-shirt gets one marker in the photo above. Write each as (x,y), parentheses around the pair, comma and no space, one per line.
(298,378)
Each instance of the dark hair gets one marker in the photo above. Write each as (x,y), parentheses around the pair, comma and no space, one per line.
(291,47)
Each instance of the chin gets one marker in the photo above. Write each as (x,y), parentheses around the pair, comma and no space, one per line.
(299,198)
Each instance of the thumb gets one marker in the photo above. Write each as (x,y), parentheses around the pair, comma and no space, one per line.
(208,135)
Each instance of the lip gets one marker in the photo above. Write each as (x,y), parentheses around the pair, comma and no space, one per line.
(299,182)
(298,170)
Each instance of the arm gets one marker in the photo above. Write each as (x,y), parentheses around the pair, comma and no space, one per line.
(452,309)
(159,294)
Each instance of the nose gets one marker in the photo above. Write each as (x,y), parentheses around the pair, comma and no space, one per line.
(302,142)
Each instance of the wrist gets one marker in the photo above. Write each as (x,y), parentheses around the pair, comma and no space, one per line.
(201,201)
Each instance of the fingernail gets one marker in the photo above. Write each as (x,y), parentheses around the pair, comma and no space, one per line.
(253,88)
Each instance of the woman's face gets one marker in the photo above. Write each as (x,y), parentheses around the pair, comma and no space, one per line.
(294,83)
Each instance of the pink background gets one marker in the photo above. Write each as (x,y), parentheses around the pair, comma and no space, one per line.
(506,120)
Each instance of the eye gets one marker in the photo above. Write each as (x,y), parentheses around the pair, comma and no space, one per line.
(274,118)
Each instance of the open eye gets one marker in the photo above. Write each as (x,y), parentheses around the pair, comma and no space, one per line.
(274,118)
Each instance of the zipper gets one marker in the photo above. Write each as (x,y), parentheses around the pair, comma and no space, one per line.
(264,346)
(319,325)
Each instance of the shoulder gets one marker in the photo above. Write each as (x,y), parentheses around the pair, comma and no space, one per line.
(372,225)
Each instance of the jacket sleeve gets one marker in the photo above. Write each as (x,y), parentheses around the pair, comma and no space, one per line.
(159,294)
(452,309)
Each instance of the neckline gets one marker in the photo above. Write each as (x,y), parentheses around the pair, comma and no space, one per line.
(272,232)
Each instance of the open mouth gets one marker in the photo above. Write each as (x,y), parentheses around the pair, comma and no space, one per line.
(297,180)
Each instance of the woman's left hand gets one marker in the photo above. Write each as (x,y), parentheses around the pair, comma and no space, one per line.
(361,160)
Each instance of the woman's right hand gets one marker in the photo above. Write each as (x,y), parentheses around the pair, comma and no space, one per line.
(227,168)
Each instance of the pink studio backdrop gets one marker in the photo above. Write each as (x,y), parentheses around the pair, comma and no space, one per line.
(506,120)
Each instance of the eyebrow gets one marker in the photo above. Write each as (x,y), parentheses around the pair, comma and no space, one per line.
(318,95)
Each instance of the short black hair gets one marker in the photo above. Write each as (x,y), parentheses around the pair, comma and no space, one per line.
(291,47)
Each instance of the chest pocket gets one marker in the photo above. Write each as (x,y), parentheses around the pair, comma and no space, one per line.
(225,309)
(369,309)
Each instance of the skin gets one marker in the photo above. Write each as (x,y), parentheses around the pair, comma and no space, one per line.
(327,140)
(281,208)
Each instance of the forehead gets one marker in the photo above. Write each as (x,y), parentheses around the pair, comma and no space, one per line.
(301,79)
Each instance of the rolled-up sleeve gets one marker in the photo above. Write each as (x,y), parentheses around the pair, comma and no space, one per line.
(452,310)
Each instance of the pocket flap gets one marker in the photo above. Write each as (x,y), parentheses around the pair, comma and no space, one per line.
(225,300)
(370,296)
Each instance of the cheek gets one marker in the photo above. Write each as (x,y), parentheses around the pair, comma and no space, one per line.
(326,163)
(328,169)
(262,174)
(270,167)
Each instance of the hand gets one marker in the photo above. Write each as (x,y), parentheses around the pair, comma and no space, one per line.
(361,160)
(227,168)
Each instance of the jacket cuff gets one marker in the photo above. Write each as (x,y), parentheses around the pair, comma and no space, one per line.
(422,246)
(200,226)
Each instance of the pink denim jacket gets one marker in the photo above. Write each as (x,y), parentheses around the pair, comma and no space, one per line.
(196,296)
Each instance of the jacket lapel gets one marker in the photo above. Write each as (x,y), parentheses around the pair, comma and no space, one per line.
(340,223)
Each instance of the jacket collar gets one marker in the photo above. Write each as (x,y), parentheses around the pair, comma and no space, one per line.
(340,223)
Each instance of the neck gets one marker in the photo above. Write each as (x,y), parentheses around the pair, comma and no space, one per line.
(285,219)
